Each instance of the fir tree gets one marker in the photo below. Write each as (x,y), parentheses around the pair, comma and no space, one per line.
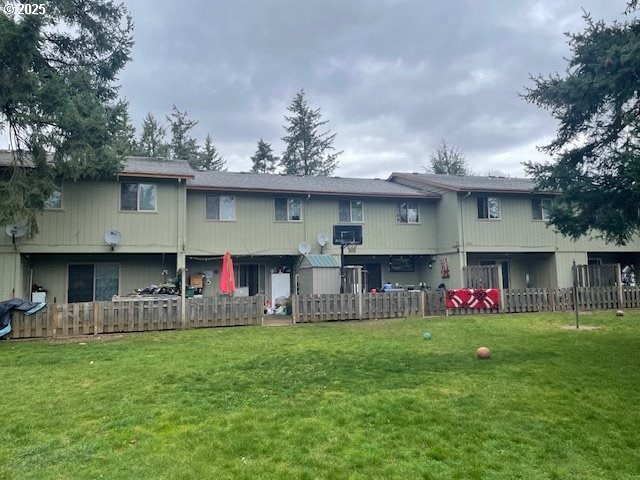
(308,151)
(263,160)
(152,139)
(182,146)
(596,167)
(448,160)
(58,99)
(209,158)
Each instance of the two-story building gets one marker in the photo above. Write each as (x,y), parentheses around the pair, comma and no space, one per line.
(500,220)
(104,238)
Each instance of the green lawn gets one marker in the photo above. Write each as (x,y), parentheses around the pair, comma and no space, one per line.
(335,400)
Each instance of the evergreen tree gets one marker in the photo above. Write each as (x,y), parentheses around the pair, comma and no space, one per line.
(124,133)
(58,99)
(597,148)
(448,160)
(263,160)
(209,158)
(183,146)
(308,151)
(152,139)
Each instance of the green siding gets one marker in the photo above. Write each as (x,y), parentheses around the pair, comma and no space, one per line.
(12,282)
(89,209)
(136,271)
(255,231)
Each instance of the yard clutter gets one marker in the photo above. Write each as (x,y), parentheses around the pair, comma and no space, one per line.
(281,306)
(8,306)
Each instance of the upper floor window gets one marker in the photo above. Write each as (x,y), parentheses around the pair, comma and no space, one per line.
(408,213)
(350,211)
(54,202)
(489,208)
(288,209)
(539,208)
(221,207)
(140,197)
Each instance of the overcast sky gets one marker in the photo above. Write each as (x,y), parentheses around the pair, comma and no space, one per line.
(392,77)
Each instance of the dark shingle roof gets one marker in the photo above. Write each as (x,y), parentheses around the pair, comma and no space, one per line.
(156,168)
(441,183)
(294,184)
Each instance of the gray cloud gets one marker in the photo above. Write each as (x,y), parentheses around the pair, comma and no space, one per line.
(393,77)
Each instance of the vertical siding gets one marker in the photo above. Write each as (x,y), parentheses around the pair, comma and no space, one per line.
(255,231)
(136,271)
(90,208)
(448,223)
(12,281)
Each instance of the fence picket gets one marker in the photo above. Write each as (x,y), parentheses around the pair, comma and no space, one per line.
(60,320)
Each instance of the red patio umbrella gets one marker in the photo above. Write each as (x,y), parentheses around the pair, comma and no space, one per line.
(227,279)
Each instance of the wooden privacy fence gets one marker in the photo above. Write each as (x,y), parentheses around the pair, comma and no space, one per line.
(139,315)
(351,306)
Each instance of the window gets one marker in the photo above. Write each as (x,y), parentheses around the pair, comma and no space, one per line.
(350,211)
(54,202)
(539,208)
(288,209)
(221,207)
(408,213)
(139,197)
(488,208)
(92,282)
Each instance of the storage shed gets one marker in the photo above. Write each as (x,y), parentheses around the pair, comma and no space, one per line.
(318,274)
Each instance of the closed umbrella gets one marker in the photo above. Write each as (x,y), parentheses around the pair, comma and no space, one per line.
(227,279)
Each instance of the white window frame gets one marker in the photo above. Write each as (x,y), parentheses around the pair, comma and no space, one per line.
(289,201)
(409,206)
(539,204)
(220,218)
(138,195)
(351,209)
(486,210)
(56,196)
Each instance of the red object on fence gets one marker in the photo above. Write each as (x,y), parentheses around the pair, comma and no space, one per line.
(473,298)
(227,278)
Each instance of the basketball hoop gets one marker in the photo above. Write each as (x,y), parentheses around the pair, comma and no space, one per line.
(351,247)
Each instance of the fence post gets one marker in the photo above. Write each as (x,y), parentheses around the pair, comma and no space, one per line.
(359,305)
(501,290)
(423,302)
(619,282)
(54,320)
(95,318)
(294,308)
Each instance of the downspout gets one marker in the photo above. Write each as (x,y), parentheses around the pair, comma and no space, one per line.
(463,248)
(180,247)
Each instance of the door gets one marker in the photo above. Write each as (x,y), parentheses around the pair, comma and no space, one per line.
(80,283)
(89,282)
(373,276)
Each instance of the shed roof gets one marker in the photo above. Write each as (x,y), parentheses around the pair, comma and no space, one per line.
(319,261)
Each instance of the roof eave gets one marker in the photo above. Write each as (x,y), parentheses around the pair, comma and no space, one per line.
(156,175)
(304,192)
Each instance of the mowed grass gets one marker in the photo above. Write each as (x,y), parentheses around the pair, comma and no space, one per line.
(335,400)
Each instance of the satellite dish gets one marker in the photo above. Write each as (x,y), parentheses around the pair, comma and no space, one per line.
(304,248)
(322,239)
(15,231)
(113,238)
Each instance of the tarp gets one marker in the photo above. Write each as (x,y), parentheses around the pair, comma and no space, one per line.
(227,279)
(8,306)
(473,298)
